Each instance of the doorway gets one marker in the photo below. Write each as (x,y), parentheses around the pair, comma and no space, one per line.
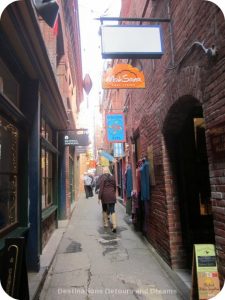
(186,145)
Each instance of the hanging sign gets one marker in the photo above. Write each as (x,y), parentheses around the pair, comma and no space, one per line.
(76,137)
(115,128)
(205,278)
(70,139)
(131,41)
(118,150)
(123,76)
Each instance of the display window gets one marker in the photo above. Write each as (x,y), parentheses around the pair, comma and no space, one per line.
(47,158)
(9,139)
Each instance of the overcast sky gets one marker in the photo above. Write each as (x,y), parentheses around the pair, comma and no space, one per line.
(91,50)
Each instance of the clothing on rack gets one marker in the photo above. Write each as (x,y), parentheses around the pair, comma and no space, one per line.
(141,213)
(129,181)
(145,181)
(128,189)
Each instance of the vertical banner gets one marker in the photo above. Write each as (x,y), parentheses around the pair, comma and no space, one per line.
(115,128)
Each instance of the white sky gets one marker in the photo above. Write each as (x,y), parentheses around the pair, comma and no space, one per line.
(92,62)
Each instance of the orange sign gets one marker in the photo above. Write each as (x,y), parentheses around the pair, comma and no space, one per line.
(123,76)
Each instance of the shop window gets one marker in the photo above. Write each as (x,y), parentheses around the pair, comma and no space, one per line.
(8,174)
(46,131)
(47,178)
(8,85)
(47,159)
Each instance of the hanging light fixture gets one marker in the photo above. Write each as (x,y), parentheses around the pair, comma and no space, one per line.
(87,84)
(48,10)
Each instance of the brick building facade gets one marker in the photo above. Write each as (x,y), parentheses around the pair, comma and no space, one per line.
(40,94)
(177,114)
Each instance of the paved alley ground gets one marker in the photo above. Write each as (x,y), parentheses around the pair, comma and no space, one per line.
(93,263)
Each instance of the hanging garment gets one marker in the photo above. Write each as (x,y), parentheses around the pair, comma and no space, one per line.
(134,207)
(128,189)
(129,182)
(145,181)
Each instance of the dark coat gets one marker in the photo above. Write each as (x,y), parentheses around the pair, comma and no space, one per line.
(107,191)
(145,182)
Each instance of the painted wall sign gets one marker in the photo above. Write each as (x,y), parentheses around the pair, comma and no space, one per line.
(204,272)
(217,137)
(123,76)
(131,41)
(115,128)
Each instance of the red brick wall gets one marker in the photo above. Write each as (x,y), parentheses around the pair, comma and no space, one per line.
(50,42)
(150,110)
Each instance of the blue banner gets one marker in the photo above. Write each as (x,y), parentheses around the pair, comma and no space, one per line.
(107,156)
(115,128)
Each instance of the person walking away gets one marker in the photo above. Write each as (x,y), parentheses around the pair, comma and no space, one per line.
(91,185)
(107,195)
(87,185)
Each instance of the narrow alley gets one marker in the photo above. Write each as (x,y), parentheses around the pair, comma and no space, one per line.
(93,263)
(127,99)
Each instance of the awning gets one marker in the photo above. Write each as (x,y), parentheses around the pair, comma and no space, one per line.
(107,156)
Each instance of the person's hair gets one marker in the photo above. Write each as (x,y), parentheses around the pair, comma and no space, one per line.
(106,171)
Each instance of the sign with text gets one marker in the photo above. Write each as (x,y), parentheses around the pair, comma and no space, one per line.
(204,272)
(123,76)
(131,41)
(78,137)
(115,128)
(70,139)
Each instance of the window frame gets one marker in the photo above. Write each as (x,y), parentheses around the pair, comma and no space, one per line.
(47,135)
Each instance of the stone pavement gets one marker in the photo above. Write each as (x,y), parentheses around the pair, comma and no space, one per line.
(93,263)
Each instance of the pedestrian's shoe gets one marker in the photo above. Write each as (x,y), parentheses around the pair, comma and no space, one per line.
(113,222)
(105,219)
